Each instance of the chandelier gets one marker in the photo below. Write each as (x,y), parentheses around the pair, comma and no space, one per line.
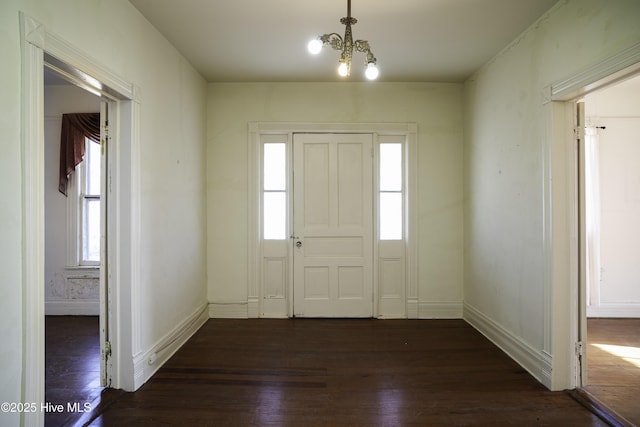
(347,45)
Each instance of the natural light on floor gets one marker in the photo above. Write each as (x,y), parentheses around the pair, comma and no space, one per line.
(629,354)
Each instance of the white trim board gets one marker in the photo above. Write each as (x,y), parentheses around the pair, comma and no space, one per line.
(440,310)
(228,310)
(536,363)
(621,310)
(72,308)
(610,70)
(147,363)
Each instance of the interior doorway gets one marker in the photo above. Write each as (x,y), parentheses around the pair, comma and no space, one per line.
(610,232)
(39,48)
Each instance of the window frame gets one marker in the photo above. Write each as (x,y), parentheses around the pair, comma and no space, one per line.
(400,191)
(76,208)
(284,191)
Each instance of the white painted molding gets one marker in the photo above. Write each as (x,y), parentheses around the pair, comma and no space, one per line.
(379,128)
(129,288)
(440,310)
(67,54)
(33,32)
(537,363)
(253,308)
(253,216)
(33,248)
(228,310)
(614,310)
(72,308)
(149,361)
(412,308)
(412,231)
(598,75)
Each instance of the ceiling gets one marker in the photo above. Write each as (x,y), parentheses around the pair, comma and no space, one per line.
(413,40)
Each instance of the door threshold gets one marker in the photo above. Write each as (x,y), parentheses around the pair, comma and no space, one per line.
(600,409)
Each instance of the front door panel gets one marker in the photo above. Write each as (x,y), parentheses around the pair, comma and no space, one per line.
(333,225)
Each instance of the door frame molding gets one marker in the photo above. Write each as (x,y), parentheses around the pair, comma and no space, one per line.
(257,129)
(39,46)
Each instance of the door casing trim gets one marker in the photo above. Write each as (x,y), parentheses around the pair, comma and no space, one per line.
(258,129)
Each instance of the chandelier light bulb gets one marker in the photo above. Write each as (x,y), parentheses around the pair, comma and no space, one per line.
(343,69)
(372,71)
(315,46)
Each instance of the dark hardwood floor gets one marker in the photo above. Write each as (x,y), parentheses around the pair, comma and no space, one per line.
(341,373)
(613,365)
(337,372)
(72,366)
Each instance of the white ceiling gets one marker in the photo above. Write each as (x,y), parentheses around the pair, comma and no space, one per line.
(265,40)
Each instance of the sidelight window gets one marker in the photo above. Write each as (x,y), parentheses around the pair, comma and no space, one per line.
(391,191)
(274,191)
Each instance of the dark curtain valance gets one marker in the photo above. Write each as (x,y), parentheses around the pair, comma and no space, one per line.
(75,128)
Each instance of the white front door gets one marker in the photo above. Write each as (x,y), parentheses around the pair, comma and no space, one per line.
(333,225)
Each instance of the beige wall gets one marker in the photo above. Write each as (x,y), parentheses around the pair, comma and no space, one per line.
(505,134)
(172,136)
(437,110)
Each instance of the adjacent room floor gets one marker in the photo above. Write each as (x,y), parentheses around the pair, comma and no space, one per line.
(72,366)
(613,365)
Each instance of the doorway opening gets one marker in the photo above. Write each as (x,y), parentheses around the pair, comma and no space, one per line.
(73,253)
(609,155)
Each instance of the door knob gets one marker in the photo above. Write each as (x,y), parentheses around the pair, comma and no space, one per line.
(298,243)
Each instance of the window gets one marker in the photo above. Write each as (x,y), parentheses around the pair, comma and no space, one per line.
(85,186)
(391,189)
(274,191)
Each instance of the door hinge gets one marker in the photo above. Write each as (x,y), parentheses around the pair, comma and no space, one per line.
(579,132)
(579,348)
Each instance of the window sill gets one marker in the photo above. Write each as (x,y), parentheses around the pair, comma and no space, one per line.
(91,270)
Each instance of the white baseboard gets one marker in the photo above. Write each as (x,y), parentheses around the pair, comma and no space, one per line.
(147,363)
(537,363)
(614,310)
(228,310)
(440,310)
(253,308)
(72,308)
(412,308)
